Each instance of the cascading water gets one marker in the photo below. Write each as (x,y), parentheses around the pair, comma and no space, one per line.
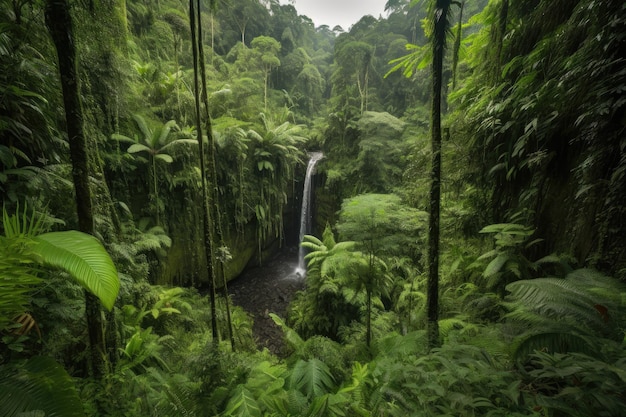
(305,212)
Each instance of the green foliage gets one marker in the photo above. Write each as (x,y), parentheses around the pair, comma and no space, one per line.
(275,146)
(84,258)
(311,377)
(457,380)
(39,385)
(507,260)
(535,128)
(576,384)
(157,143)
(538,110)
(292,338)
(18,269)
(579,313)
(262,391)
(25,250)
(381,224)
(242,403)
(329,302)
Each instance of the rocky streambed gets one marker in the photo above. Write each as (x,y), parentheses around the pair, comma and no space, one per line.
(268,289)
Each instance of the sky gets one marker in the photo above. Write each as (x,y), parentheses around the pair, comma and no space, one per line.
(344,13)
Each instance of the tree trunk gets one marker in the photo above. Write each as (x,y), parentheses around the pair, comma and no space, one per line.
(212,172)
(457,43)
(206,203)
(439,42)
(59,25)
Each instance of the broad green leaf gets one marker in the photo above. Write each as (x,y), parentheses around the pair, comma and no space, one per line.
(312,377)
(84,258)
(164,157)
(138,147)
(291,336)
(496,264)
(243,404)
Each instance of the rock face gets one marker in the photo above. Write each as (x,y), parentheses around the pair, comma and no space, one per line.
(268,289)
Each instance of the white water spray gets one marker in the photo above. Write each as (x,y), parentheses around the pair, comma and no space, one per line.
(305,212)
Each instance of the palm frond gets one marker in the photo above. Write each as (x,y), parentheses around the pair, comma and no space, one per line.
(84,258)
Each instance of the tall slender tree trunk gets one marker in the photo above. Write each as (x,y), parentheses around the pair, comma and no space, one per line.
(457,43)
(212,171)
(440,18)
(59,25)
(206,203)
(155,191)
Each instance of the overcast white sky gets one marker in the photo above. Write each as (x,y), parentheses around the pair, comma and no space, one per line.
(338,12)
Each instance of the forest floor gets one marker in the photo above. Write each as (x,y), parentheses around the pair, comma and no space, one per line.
(268,289)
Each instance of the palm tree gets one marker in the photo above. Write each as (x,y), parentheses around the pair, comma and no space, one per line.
(156,143)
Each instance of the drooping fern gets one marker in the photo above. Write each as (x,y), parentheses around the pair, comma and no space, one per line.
(578,313)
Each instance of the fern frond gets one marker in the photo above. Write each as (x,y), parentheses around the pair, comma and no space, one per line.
(39,384)
(560,299)
(400,346)
(84,258)
(553,340)
(573,314)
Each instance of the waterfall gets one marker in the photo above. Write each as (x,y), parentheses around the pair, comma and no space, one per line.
(305,212)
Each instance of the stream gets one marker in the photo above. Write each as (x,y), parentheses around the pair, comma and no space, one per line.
(268,289)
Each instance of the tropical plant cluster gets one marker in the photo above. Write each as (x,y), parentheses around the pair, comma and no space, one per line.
(467,255)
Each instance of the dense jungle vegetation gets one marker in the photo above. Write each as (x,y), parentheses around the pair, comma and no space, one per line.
(468,254)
